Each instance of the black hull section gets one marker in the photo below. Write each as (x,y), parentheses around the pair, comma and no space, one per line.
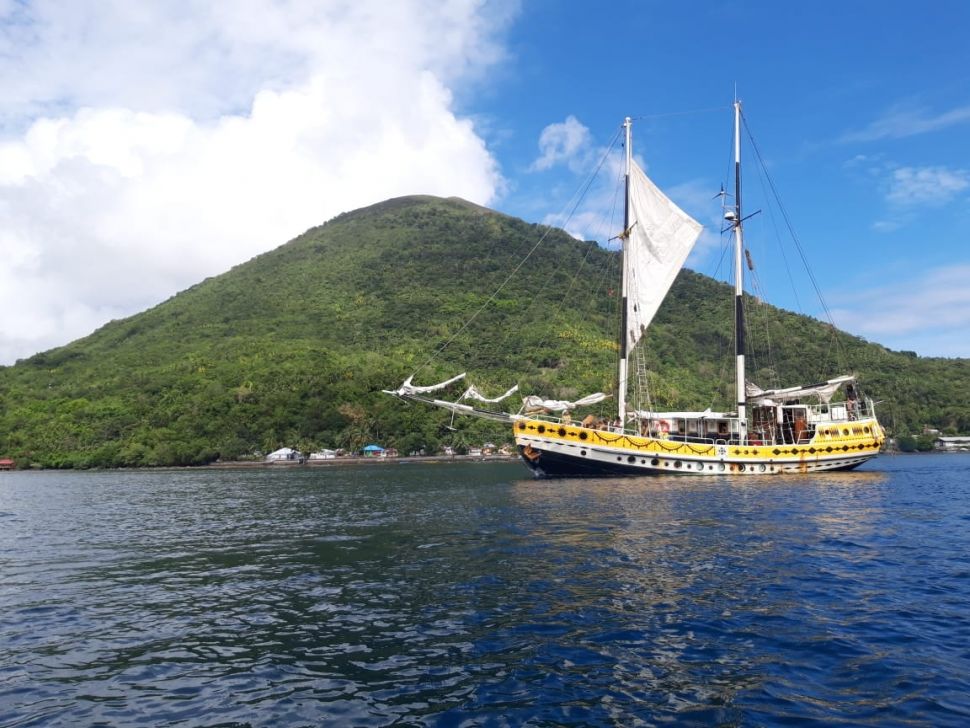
(546,464)
(554,465)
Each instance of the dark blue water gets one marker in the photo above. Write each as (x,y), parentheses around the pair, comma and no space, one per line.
(472,595)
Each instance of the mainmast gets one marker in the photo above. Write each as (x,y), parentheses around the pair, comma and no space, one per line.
(624,239)
(738,280)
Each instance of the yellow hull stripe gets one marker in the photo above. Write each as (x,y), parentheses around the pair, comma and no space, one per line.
(836,439)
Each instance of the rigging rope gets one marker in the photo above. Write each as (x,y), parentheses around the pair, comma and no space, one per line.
(578,196)
(798,245)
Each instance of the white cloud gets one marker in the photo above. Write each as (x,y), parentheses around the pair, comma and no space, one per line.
(181,139)
(902,121)
(926,185)
(564,142)
(929,313)
(887,226)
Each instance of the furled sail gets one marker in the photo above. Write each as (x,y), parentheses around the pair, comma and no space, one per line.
(660,238)
(408,388)
(473,393)
(534,403)
(822,390)
(705,415)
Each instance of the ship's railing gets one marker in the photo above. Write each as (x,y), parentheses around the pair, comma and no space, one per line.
(613,427)
(840,411)
(818,415)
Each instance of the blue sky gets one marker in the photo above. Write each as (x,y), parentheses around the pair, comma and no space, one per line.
(145,146)
(860,110)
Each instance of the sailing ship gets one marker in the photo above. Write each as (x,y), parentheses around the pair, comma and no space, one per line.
(822,426)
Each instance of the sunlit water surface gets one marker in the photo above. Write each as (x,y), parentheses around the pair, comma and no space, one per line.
(469,594)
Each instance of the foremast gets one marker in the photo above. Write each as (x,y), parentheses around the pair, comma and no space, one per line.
(734,217)
(621,379)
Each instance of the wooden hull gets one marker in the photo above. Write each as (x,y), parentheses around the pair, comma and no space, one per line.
(555,450)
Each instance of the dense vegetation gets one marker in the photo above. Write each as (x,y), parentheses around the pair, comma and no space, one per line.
(294,346)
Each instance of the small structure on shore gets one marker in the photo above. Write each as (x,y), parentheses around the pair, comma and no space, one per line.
(285,454)
(956,443)
(323,455)
(7,464)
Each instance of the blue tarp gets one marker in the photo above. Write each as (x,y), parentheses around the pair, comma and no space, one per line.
(373,448)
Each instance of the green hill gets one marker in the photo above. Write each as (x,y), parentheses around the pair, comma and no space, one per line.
(292,347)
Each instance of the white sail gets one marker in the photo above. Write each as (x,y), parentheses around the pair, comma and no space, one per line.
(473,393)
(534,403)
(408,388)
(661,236)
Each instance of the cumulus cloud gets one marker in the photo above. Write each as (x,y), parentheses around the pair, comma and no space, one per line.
(926,185)
(566,142)
(178,139)
(908,189)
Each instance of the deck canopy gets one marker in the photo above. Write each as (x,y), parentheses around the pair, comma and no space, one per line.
(823,390)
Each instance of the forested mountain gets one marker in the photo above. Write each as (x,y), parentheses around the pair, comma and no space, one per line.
(294,346)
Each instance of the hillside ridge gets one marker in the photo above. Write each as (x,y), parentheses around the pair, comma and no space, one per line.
(293,347)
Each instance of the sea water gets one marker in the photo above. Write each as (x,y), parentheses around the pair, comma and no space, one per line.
(470,594)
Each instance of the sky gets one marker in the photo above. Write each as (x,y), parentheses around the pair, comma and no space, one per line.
(146,146)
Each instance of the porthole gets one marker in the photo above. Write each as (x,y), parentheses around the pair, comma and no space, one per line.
(741,467)
(541,429)
(720,466)
(631,459)
(655,462)
(845,431)
(521,425)
(678,464)
(583,453)
(583,435)
(700,466)
(761,467)
(562,432)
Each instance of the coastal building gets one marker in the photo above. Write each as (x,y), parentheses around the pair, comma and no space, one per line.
(284,454)
(6,464)
(960,443)
(323,455)
(373,451)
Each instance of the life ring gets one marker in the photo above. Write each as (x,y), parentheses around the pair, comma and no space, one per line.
(663,428)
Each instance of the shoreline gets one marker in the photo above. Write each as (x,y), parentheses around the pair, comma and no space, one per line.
(358,461)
